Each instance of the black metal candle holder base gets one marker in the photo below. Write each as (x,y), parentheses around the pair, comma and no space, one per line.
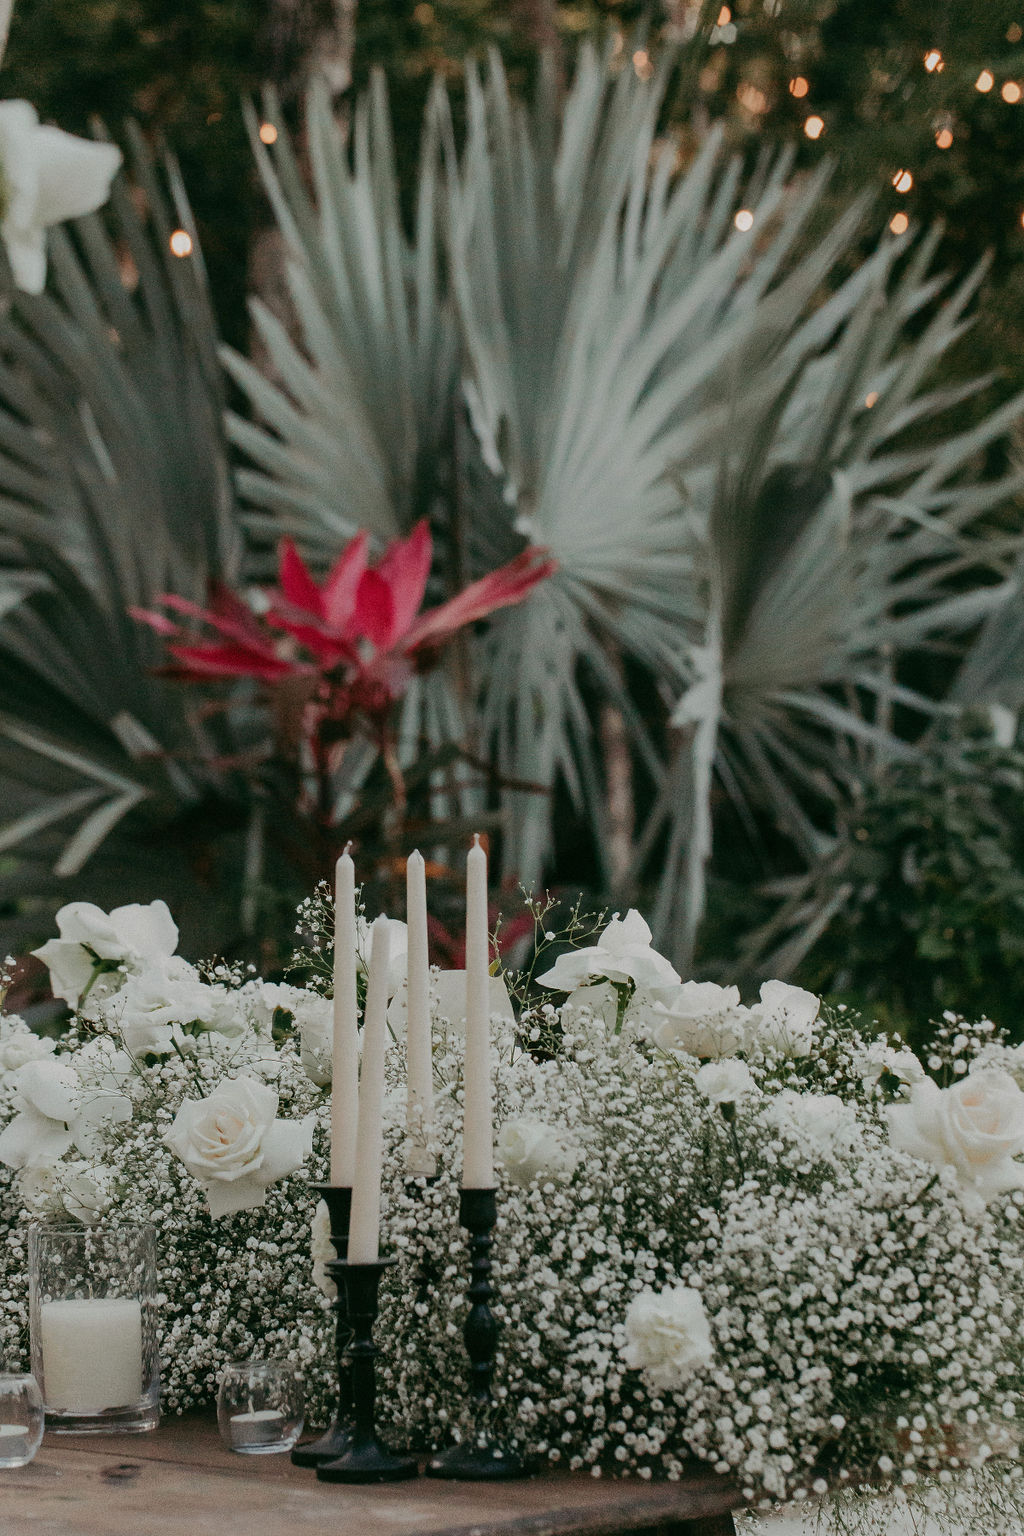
(336,1441)
(365,1460)
(479,1459)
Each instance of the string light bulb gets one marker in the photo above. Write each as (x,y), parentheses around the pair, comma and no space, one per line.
(1014,32)
(903,181)
(944,138)
(724,17)
(642,66)
(744,219)
(799,86)
(871,399)
(814,127)
(180,243)
(268,133)
(1011,92)
(899,223)
(985,81)
(934,63)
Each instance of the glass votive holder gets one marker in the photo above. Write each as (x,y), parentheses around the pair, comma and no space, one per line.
(93,1321)
(259,1407)
(21,1418)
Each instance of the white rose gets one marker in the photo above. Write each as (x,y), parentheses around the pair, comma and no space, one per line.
(528,1149)
(132,935)
(822,1119)
(235,1146)
(623,953)
(698,1017)
(975,1127)
(57,1111)
(783,1021)
(398,950)
(667,1336)
(322,1251)
(725,1082)
(48,176)
(19,1044)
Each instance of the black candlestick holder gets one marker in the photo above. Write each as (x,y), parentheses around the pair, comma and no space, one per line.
(335,1442)
(365,1459)
(480,1459)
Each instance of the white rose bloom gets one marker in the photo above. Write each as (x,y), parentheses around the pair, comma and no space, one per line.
(623,953)
(530,1149)
(668,1336)
(20,1044)
(133,935)
(47,176)
(725,1082)
(975,1127)
(698,1017)
(784,1019)
(322,1251)
(235,1146)
(881,1059)
(822,1119)
(398,951)
(58,1111)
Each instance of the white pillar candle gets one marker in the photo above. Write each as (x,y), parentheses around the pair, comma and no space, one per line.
(92,1354)
(345,1051)
(477,1126)
(364,1224)
(419,1055)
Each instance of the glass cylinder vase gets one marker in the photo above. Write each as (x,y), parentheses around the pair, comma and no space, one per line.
(93,1320)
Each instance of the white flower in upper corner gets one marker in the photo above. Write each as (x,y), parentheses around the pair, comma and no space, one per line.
(46,176)
(235,1146)
(58,1111)
(784,1019)
(398,950)
(975,1127)
(322,1251)
(623,953)
(700,1018)
(90,938)
(725,1082)
(20,1044)
(821,1119)
(668,1336)
(530,1149)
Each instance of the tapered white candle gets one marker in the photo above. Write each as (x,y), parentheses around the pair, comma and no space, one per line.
(477,1126)
(419,1058)
(364,1224)
(345,1050)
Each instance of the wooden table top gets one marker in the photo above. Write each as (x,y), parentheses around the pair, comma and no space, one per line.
(181,1481)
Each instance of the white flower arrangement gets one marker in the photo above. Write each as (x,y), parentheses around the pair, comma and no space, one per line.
(800,1262)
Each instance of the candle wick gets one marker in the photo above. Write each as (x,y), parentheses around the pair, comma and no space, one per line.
(347,848)
(476,839)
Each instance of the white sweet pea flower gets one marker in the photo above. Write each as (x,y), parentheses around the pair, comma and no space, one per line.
(58,1111)
(529,1149)
(235,1146)
(398,950)
(975,1127)
(622,954)
(46,176)
(322,1251)
(725,1082)
(698,1017)
(133,936)
(783,1022)
(667,1336)
(20,1044)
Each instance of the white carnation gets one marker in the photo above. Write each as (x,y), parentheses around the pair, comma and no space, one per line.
(668,1336)
(698,1018)
(725,1082)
